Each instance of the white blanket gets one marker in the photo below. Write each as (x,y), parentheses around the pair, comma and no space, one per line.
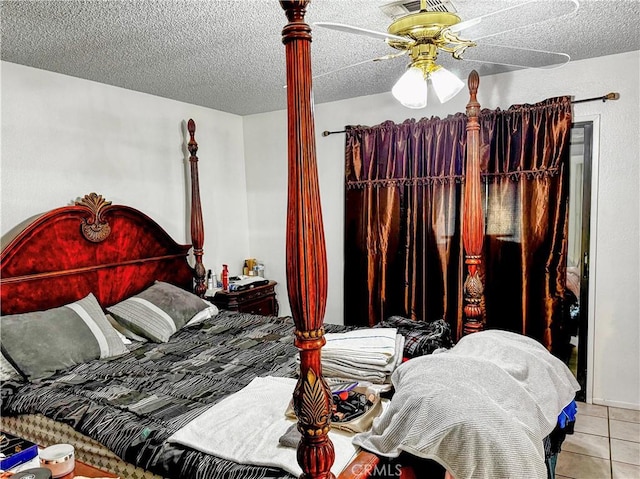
(481,409)
(246,426)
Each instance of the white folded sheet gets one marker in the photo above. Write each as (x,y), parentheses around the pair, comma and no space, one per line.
(344,359)
(373,344)
(246,427)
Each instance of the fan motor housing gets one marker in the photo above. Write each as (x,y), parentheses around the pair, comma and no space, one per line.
(421,26)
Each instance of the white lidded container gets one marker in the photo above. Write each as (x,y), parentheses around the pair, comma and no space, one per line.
(59,459)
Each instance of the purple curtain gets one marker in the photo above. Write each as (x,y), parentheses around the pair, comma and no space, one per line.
(403,245)
(526,157)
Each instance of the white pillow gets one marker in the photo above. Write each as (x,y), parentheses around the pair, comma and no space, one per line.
(206,313)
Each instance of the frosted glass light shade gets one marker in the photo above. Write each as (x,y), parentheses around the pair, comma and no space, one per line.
(411,89)
(445,84)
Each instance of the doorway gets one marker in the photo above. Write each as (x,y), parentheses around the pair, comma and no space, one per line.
(578,260)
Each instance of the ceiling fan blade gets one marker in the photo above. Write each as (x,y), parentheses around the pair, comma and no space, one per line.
(384,57)
(528,13)
(341,27)
(514,56)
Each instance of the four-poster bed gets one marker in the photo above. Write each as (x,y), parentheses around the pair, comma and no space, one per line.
(306,265)
(118,252)
(306,257)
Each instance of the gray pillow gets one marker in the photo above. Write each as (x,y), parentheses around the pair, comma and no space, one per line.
(158,312)
(42,342)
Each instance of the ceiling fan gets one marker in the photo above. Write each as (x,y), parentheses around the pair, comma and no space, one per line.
(424,34)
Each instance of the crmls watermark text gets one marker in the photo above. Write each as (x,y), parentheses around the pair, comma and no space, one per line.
(376,470)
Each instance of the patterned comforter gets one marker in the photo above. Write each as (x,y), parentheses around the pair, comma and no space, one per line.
(133,403)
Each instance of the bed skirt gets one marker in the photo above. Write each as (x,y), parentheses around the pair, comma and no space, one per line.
(45,432)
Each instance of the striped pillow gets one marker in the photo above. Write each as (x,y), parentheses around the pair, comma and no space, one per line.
(7,371)
(158,312)
(40,343)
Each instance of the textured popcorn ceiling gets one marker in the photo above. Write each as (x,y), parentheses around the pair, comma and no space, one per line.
(228,54)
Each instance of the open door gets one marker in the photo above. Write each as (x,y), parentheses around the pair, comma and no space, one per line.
(578,250)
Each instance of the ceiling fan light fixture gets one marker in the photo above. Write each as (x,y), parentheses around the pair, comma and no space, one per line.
(445,84)
(411,88)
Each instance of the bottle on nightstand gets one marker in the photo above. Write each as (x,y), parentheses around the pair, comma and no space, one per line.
(210,281)
(225,277)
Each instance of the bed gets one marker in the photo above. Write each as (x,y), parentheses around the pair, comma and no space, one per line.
(306,257)
(119,252)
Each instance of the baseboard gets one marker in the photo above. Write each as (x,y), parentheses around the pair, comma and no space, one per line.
(620,404)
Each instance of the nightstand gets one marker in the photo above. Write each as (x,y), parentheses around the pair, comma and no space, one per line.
(256,300)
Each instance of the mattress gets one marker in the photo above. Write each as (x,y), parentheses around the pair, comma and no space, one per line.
(130,405)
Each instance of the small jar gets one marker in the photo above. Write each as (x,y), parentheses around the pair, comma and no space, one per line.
(59,459)
(259,270)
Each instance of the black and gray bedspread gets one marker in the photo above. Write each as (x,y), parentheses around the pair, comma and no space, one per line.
(133,403)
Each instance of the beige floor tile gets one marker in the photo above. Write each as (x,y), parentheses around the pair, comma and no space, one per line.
(624,414)
(628,431)
(625,451)
(579,466)
(591,409)
(562,477)
(592,425)
(588,444)
(625,471)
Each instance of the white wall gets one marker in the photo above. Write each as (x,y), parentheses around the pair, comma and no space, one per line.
(63,137)
(615,357)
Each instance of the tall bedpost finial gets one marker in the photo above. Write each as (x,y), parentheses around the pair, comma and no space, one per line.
(197,225)
(472,216)
(473,82)
(306,253)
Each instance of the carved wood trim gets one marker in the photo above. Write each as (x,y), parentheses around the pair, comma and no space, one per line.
(197,224)
(472,216)
(89,269)
(361,466)
(95,228)
(306,254)
(136,253)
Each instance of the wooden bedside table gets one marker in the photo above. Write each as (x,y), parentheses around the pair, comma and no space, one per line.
(256,300)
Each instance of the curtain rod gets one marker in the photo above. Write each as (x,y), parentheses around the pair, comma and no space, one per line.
(608,96)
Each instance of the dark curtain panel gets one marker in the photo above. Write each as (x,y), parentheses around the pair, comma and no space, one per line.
(403,248)
(526,157)
(403,245)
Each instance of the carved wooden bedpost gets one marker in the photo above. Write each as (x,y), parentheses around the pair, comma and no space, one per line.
(472,216)
(197,226)
(306,254)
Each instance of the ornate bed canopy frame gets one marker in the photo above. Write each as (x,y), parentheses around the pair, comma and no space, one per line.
(306,267)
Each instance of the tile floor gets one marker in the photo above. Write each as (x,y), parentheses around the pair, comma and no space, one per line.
(605,445)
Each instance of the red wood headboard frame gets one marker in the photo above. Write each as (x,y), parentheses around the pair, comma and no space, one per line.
(112,251)
(306,255)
